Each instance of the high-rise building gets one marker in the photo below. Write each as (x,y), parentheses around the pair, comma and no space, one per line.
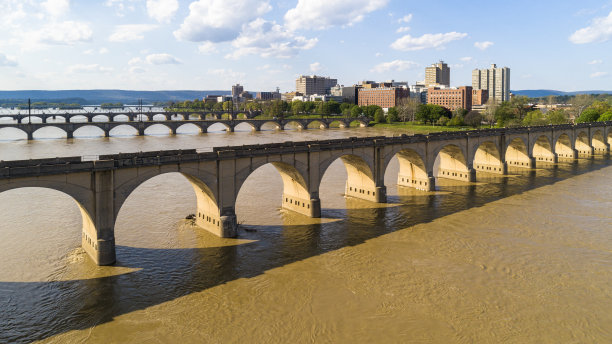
(495,80)
(309,85)
(237,90)
(437,74)
(451,98)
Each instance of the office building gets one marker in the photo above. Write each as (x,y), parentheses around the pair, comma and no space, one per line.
(313,84)
(385,97)
(451,98)
(495,80)
(437,74)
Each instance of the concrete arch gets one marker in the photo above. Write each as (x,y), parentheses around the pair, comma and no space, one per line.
(50,125)
(412,170)
(157,125)
(316,124)
(77,119)
(542,149)
(451,162)
(83,198)
(13,128)
(187,125)
(266,125)
(35,119)
(296,189)
(598,142)
(564,147)
(158,117)
(487,158)
(360,182)
(128,125)
(359,122)
(583,144)
(517,154)
(120,118)
(227,126)
(207,214)
(100,116)
(97,128)
(300,125)
(338,123)
(241,125)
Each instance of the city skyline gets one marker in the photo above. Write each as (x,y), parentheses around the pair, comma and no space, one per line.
(213,44)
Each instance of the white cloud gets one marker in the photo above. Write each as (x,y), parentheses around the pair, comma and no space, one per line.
(378,54)
(162,10)
(56,8)
(159,59)
(207,48)
(403,29)
(121,6)
(58,33)
(483,45)
(323,14)
(219,20)
(90,68)
(130,32)
(594,62)
(268,39)
(226,74)
(6,61)
(405,19)
(598,74)
(135,61)
(600,30)
(137,69)
(427,41)
(315,67)
(466,59)
(396,65)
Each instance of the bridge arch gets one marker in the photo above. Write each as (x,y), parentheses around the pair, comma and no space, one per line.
(49,128)
(219,126)
(22,135)
(299,125)
(598,142)
(360,182)
(76,118)
(157,129)
(449,162)
(316,124)
(336,124)
(357,123)
(189,128)
(487,158)
(120,118)
(245,126)
(517,154)
(542,149)
(270,125)
(582,143)
(34,118)
(77,132)
(412,171)
(100,118)
(124,129)
(564,147)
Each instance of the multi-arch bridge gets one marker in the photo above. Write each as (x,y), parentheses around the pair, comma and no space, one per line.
(112,116)
(101,187)
(173,125)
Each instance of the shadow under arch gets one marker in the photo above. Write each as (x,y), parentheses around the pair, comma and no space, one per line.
(487,158)
(517,154)
(542,149)
(564,147)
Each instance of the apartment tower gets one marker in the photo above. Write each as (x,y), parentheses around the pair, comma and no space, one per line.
(437,75)
(495,80)
(309,85)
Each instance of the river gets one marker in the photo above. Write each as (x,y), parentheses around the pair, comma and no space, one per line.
(518,259)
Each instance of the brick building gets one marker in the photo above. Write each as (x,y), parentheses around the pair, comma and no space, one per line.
(479,97)
(451,98)
(384,97)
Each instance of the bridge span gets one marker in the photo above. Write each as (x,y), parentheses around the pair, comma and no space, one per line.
(111,116)
(101,187)
(256,124)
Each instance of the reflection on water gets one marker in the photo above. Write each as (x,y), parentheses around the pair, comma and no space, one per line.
(520,258)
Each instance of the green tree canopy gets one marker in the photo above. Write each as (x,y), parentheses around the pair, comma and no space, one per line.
(588,115)
(473,119)
(534,118)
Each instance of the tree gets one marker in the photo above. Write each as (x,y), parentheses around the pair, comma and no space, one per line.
(556,117)
(333,107)
(423,113)
(323,108)
(534,118)
(504,114)
(392,115)
(379,115)
(345,108)
(228,105)
(489,112)
(580,103)
(588,115)
(407,108)
(455,121)
(520,105)
(297,106)
(473,119)
(356,111)
(443,120)
(606,116)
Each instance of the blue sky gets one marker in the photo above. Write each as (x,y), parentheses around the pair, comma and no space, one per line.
(212,44)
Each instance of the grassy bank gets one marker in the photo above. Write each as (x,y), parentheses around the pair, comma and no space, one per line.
(417,128)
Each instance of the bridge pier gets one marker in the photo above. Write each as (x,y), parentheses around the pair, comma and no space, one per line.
(98,238)
(466,176)
(573,154)
(491,168)
(377,194)
(309,207)
(586,151)
(69,134)
(529,163)
(603,149)
(427,183)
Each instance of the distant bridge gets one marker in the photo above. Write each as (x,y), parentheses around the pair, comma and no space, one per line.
(101,187)
(110,116)
(173,126)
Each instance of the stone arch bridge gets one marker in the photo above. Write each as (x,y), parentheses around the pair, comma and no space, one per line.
(101,187)
(70,127)
(110,116)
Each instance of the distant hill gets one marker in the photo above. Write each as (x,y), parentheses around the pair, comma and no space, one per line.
(544,93)
(107,96)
